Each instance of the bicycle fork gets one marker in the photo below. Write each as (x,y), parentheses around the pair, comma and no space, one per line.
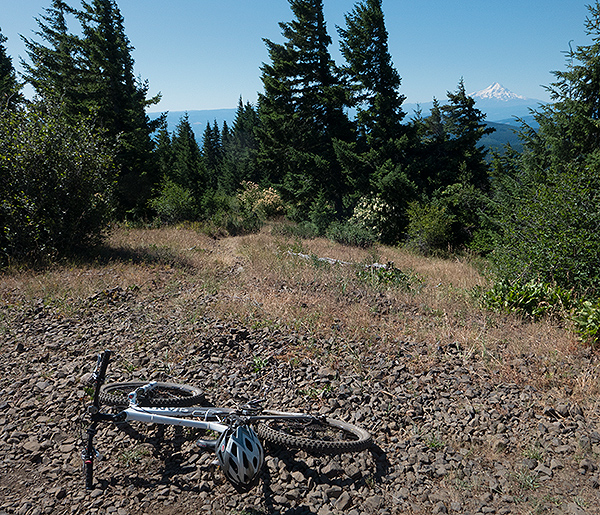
(88,455)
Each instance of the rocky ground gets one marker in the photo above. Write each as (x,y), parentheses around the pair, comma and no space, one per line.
(450,435)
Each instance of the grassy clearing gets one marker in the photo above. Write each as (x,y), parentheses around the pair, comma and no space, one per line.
(255,280)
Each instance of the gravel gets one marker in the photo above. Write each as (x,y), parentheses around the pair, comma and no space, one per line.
(450,437)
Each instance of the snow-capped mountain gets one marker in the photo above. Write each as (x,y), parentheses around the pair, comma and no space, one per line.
(496,92)
(498,103)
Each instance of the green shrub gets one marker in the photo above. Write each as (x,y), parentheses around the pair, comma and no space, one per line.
(533,299)
(429,227)
(349,233)
(586,321)
(174,203)
(57,181)
(549,228)
(389,276)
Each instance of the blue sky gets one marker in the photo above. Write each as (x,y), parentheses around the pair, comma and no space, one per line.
(204,54)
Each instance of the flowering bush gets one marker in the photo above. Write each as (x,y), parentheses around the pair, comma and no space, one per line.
(264,202)
(374,215)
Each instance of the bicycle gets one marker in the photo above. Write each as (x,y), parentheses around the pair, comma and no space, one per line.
(238,447)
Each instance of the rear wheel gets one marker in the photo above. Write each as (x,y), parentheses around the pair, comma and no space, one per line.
(315,434)
(161,395)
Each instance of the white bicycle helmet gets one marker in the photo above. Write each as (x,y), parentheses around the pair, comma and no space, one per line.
(241,457)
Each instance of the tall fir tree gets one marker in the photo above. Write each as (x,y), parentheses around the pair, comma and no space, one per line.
(188,169)
(465,125)
(302,111)
(239,149)
(212,152)
(55,69)
(451,151)
(163,149)
(119,101)
(371,75)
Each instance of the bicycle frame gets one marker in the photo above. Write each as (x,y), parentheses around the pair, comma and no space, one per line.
(176,417)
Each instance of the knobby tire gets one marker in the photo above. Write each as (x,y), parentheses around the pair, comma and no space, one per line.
(163,395)
(321,436)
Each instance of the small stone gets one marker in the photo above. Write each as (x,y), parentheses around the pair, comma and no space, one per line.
(332,469)
(334,491)
(373,503)
(31,446)
(403,493)
(298,476)
(344,502)
(543,470)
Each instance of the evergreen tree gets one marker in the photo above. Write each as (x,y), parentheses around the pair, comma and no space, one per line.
(378,164)
(55,70)
(10,88)
(239,149)
(212,151)
(119,100)
(450,150)
(163,150)
(302,111)
(465,126)
(546,200)
(188,170)
(372,77)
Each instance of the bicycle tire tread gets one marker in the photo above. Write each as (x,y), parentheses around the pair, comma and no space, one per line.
(281,438)
(186,395)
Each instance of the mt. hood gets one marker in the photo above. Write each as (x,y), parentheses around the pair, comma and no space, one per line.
(496,92)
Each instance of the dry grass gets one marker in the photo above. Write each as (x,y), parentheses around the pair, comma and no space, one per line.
(254,280)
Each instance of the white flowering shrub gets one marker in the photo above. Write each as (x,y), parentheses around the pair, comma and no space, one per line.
(264,202)
(374,215)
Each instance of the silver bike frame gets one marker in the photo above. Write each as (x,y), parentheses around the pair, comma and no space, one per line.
(187,417)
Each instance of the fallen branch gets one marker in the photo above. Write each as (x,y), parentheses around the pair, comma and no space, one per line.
(332,261)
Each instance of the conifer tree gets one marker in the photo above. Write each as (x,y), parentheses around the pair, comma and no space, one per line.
(119,100)
(546,200)
(55,70)
(450,151)
(163,150)
(10,88)
(212,152)
(371,75)
(378,164)
(239,149)
(465,126)
(188,170)
(302,111)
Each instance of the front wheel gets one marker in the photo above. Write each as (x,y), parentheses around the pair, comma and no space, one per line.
(314,434)
(162,395)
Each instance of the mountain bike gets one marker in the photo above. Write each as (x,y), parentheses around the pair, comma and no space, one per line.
(240,430)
